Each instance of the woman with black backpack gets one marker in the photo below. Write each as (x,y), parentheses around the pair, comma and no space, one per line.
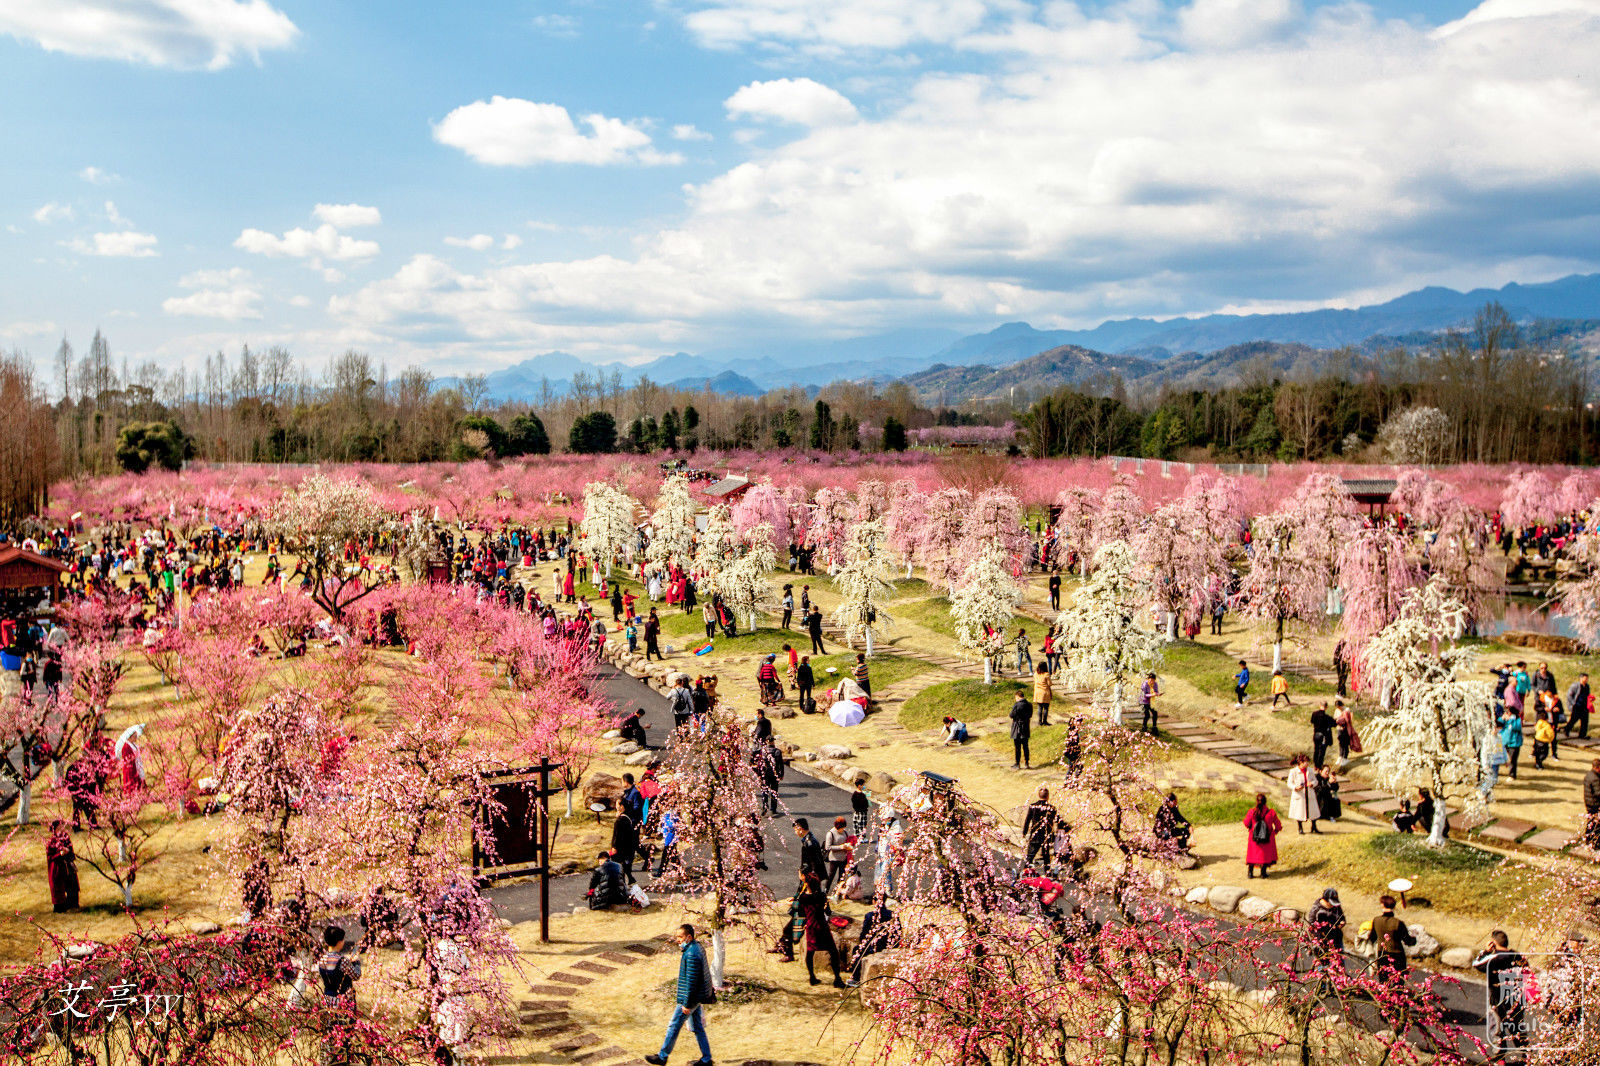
(1263,826)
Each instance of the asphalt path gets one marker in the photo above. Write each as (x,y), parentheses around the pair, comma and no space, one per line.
(819,802)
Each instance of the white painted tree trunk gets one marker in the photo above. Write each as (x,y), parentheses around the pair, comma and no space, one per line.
(122,851)
(869,642)
(752,621)
(719,958)
(127,895)
(908,570)
(1436,836)
(569,803)
(1116,703)
(1277,656)
(24,802)
(1172,626)
(988,669)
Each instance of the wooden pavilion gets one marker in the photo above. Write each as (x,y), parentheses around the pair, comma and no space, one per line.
(26,578)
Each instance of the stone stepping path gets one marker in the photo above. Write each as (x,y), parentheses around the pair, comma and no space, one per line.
(547,1020)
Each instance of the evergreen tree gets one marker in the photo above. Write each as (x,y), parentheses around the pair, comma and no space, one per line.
(894,435)
(593,433)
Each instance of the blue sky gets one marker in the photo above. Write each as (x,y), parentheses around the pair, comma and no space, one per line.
(619,180)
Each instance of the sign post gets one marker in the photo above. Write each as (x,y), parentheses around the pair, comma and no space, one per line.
(511,834)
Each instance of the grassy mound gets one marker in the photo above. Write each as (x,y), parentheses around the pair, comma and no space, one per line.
(1457,878)
(969,700)
(932,614)
(1211,671)
(1211,807)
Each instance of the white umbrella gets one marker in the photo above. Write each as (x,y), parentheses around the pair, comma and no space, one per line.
(127,736)
(846,713)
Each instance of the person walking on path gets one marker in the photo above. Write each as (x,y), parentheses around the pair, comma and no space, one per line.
(1302,797)
(1578,707)
(812,858)
(1511,735)
(862,675)
(681,702)
(1241,683)
(814,628)
(860,810)
(1055,590)
(1349,739)
(1024,655)
(1039,827)
(1262,827)
(1341,667)
(836,844)
(1391,937)
(1591,806)
(1326,925)
(1280,687)
(1042,693)
(1021,717)
(694,991)
(61,868)
(812,904)
(1503,970)
(788,605)
(1322,729)
(1147,708)
(652,636)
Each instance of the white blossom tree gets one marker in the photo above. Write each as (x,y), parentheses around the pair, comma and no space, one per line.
(1439,718)
(735,566)
(1416,435)
(672,523)
(317,522)
(1102,627)
(983,602)
(607,529)
(863,580)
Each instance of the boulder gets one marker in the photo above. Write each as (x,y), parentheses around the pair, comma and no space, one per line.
(1543,642)
(881,783)
(785,746)
(1426,946)
(877,966)
(1227,988)
(603,788)
(1185,862)
(202,926)
(611,734)
(806,756)
(1197,894)
(1254,907)
(1286,916)
(1456,958)
(836,751)
(627,747)
(642,757)
(1225,898)
(781,712)
(854,776)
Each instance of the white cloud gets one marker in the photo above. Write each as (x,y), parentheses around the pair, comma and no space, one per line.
(478,242)
(1236,23)
(347,216)
(324,242)
(687,132)
(511,242)
(43,328)
(834,25)
(97,176)
(115,217)
(53,212)
(798,100)
(186,34)
(226,294)
(506,131)
(555,25)
(1350,154)
(125,244)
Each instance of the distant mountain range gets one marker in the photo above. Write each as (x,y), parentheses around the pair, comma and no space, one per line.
(1206,350)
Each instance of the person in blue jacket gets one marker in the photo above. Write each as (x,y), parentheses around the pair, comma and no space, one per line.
(694,990)
(1241,682)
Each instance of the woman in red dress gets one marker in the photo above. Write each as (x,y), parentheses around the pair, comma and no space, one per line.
(1262,827)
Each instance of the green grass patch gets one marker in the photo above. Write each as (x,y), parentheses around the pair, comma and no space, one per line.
(969,700)
(1458,878)
(932,613)
(1210,807)
(1211,671)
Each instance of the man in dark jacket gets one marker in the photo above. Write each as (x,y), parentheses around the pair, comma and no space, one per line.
(1391,937)
(605,884)
(694,989)
(769,769)
(1039,826)
(814,627)
(1021,727)
(624,843)
(632,801)
(1504,970)
(1591,806)
(1578,707)
(804,679)
(812,859)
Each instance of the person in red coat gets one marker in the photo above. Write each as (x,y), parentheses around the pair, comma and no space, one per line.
(1262,827)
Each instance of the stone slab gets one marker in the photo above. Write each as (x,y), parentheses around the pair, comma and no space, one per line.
(1366,795)
(571,979)
(1388,806)
(600,1054)
(574,1043)
(619,958)
(1550,839)
(550,990)
(593,967)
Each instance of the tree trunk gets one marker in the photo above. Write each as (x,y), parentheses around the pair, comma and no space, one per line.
(1277,655)
(869,642)
(988,669)
(719,958)
(1116,703)
(752,622)
(24,801)
(1437,837)
(1172,626)
(569,803)
(127,895)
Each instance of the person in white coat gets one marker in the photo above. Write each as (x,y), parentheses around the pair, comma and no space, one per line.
(1302,795)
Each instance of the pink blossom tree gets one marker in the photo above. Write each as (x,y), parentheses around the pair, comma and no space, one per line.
(908,510)
(940,545)
(996,518)
(1376,574)
(764,505)
(1179,558)
(1120,514)
(830,523)
(1529,497)
(1078,508)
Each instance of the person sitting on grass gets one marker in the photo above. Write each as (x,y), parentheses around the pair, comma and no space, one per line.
(954,733)
(1406,819)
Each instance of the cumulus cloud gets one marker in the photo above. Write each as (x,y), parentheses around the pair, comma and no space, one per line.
(324,242)
(1236,23)
(798,100)
(833,25)
(184,34)
(687,132)
(225,294)
(346,216)
(1349,154)
(98,176)
(507,131)
(512,241)
(53,212)
(124,244)
(478,242)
